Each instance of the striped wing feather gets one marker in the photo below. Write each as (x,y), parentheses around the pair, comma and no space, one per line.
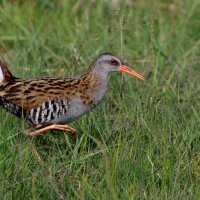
(33,93)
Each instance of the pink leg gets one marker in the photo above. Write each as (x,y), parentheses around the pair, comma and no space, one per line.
(52,127)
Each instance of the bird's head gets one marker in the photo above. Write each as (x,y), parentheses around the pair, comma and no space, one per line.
(107,62)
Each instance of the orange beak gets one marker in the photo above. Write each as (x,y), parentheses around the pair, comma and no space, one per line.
(124,68)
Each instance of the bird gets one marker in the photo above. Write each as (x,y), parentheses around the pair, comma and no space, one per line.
(51,103)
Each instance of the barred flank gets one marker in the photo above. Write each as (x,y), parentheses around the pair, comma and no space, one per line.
(12,108)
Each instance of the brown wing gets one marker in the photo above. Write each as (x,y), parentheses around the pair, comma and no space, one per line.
(33,93)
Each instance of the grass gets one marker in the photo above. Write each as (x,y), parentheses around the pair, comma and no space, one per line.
(143,141)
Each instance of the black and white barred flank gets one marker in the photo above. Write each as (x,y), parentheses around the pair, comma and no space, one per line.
(37,117)
(12,108)
(47,112)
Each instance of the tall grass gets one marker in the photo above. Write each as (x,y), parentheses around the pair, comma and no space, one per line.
(143,141)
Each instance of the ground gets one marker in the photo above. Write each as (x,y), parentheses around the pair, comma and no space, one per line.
(143,140)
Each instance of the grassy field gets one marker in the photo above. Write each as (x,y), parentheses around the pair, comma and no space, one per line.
(143,141)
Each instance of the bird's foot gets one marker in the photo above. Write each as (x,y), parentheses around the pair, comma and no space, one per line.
(53,127)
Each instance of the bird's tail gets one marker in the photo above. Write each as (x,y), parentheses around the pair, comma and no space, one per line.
(5,75)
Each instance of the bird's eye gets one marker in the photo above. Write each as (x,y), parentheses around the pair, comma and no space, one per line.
(114,62)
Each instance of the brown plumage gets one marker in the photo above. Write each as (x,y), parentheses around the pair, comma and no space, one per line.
(30,93)
(48,103)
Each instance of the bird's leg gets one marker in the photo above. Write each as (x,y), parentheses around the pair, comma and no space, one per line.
(53,127)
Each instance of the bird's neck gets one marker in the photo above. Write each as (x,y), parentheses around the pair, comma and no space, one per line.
(96,85)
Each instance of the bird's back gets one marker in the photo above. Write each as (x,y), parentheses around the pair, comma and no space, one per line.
(33,93)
